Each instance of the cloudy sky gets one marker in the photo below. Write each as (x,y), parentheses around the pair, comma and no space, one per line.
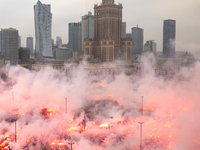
(149,14)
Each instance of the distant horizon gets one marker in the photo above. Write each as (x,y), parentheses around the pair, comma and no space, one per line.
(147,15)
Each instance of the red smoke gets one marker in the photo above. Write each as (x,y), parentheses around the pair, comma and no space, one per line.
(99,114)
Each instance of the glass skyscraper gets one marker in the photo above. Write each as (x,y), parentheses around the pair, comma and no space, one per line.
(29,44)
(137,40)
(169,34)
(43,22)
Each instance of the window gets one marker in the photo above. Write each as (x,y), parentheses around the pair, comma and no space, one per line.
(110,53)
(87,51)
(103,43)
(103,53)
(111,43)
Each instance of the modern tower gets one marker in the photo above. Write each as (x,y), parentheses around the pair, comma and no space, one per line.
(9,44)
(123,29)
(29,44)
(169,36)
(87,27)
(150,46)
(43,23)
(75,38)
(137,40)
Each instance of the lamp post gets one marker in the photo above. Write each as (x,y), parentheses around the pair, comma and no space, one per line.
(142,105)
(141,125)
(84,120)
(71,143)
(15,130)
(141,134)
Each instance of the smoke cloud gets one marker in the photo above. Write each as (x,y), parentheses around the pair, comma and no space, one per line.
(52,108)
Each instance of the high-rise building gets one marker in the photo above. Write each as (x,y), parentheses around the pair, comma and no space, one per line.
(107,43)
(108,30)
(19,41)
(43,22)
(9,44)
(87,27)
(137,40)
(75,37)
(59,41)
(150,46)
(169,35)
(29,44)
(123,29)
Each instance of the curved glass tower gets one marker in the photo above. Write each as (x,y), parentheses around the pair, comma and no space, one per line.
(43,22)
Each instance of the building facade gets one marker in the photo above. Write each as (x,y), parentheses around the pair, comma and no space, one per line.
(137,40)
(126,49)
(59,41)
(43,23)
(62,53)
(169,36)
(87,27)
(24,55)
(75,37)
(29,44)
(107,42)
(9,44)
(150,46)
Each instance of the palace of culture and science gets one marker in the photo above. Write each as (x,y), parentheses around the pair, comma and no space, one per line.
(107,44)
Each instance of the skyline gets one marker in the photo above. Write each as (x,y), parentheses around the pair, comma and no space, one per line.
(151,20)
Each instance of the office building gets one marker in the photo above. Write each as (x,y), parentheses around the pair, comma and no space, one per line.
(150,46)
(123,29)
(43,23)
(62,53)
(24,55)
(87,27)
(58,41)
(169,36)
(75,37)
(29,44)
(137,40)
(9,45)
(106,45)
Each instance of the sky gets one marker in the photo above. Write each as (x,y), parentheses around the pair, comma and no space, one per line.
(148,14)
